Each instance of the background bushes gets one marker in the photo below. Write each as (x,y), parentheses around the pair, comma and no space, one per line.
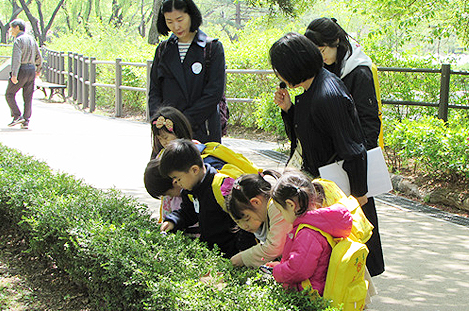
(430,146)
(250,51)
(107,242)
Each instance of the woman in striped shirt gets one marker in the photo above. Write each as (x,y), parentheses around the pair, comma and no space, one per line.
(188,70)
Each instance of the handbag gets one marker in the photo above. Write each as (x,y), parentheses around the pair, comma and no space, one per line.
(377,174)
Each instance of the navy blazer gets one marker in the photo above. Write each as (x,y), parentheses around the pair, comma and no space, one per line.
(189,86)
(216,226)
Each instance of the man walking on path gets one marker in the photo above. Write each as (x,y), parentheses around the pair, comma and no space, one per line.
(26,63)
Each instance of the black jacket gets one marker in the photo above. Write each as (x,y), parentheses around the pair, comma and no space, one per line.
(325,121)
(360,84)
(188,86)
(216,226)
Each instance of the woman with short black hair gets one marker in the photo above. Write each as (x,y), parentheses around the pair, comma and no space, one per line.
(188,70)
(322,123)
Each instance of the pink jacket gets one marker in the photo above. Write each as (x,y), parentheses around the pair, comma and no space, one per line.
(307,255)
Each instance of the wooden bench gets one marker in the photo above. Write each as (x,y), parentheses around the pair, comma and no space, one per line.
(53,87)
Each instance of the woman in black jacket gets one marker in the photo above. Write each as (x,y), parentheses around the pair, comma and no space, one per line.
(344,57)
(188,70)
(322,123)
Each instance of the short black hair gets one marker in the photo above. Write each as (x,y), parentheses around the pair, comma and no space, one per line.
(180,155)
(295,58)
(155,183)
(18,22)
(186,6)
(325,32)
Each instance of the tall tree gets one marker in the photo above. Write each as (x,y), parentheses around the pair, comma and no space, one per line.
(153,33)
(39,27)
(15,11)
(425,20)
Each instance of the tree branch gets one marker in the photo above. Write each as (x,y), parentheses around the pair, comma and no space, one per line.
(49,25)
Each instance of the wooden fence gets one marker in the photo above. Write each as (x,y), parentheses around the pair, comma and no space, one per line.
(80,78)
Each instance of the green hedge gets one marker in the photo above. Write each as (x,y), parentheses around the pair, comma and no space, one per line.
(107,242)
(430,145)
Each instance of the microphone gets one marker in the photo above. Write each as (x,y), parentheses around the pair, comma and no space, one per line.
(283,85)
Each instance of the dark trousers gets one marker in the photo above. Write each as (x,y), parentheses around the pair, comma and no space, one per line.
(375,260)
(26,77)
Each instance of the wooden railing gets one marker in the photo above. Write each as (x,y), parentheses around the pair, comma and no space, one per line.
(80,78)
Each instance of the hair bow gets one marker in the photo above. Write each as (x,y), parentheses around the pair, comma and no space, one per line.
(161,121)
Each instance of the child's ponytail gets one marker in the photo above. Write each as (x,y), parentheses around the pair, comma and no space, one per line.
(294,184)
(247,187)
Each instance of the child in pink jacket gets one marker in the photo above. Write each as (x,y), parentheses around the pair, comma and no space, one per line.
(306,255)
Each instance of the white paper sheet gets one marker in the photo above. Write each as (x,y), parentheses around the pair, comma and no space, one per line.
(378,176)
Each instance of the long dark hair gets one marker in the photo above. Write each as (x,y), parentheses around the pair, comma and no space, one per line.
(186,6)
(294,185)
(325,32)
(181,126)
(247,187)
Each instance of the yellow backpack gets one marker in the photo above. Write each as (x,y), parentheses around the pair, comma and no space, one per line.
(362,229)
(345,279)
(236,165)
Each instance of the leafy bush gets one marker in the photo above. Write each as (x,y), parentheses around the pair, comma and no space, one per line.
(107,242)
(433,147)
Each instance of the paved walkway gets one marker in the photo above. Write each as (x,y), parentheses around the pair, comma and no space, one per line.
(427,258)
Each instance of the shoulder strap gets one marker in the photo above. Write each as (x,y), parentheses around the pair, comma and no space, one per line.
(207,57)
(162,47)
(216,189)
(374,71)
(332,242)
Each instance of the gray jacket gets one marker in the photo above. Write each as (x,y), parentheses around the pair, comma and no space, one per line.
(25,51)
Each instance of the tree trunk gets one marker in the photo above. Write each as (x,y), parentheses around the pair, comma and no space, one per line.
(238,15)
(67,18)
(15,11)
(86,19)
(116,16)
(141,27)
(40,33)
(3,32)
(34,22)
(153,33)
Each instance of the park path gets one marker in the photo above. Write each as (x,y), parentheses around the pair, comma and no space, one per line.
(427,257)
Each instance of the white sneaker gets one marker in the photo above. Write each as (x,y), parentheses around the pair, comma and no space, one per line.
(16,121)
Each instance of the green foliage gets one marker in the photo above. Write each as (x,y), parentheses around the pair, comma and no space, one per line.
(107,242)
(251,51)
(433,147)
(109,44)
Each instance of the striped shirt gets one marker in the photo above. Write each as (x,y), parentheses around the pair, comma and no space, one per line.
(183,47)
(25,51)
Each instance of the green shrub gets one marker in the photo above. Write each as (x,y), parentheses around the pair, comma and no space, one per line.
(434,147)
(107,242)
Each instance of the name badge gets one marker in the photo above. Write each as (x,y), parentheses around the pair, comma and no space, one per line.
(196,205)
(196,68)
